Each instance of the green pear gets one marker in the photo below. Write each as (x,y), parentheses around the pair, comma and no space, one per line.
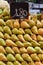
(22,30)
(34,43)
(23,50)
(2,50)
(39,24)
(27,37)
(1,11)
(21,38)
(7,30)
(10,57)
(31,50)
(10,63)
(31,23)
(35,57)
(39,38)
(2,63)
(1,29)
(28,31)
(9,23)
(1,35)
(10,43)
(16,50)
(16,31)
(40,56)
(24,63)
(18,57)
(16,63)
(6,36)
(26,57)
(2,57)
(2,22)
(2,42)
(19,44)
(34,30)
(24,24)
(38,50)
(26,44)
(9,50)
(41,44)
(14,37)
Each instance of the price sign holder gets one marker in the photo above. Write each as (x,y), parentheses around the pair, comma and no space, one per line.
(19,10)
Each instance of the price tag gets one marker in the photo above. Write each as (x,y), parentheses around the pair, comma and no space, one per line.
(19,10)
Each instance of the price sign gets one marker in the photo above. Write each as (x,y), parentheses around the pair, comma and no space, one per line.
(19,10)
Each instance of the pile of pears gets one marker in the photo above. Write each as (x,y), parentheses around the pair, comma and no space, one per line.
(21,41)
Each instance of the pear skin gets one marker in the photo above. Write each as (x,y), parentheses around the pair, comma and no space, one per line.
(18,57)
(34,30)
(1,35)
(31,50)
(2,42)
(40,31)
(24,24)
(2,22)
(21,38)
(9,50)
(22,30)
(10,43)
(39,38)
(19,44)
(31,63)
(2,50)
(27,37)
(16,50)
(42,22)
(2,63)
(10,63)
(24,63)
(16,63)
(1,29)
(41,44)
(38,63)
(40,56)
(10,57)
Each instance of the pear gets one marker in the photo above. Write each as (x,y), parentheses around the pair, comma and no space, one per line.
(31,23)
(6,36)
(39,24)
(16,24)
(42,22)
(24,24)
(14,37)
(9,23)
(39,38)
(2,42)
(10,57)
(1,11)
(23,50)
(16,63)
(27,37)
(19,44)
(40,56)
(2,50)
(31,50)
(35,57)
(10,43)
(22,30)
(38,50)
(33,36)
(16,50)
(7,30)
(2,63)
(31,63)
(1,29)
(41,44)
(9,50)
(26,44)
(34,43)
(2,57)
(1,35)
(10,63)
(21,38)
(38,63)
(34,30)
(2,22)
(18,57)
(28,31)
(40,31)
(24,63)
(26,57)
(16,31)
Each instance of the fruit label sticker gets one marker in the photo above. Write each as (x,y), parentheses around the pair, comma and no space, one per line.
(19,10)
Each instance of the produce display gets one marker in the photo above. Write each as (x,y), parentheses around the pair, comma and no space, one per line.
(21,41)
